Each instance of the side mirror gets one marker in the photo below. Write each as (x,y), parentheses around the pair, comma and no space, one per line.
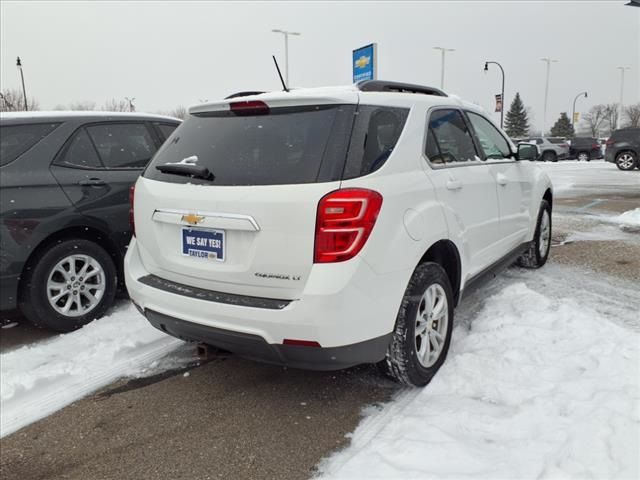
(527,151)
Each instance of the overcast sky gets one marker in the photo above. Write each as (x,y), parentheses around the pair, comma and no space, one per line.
(167,54)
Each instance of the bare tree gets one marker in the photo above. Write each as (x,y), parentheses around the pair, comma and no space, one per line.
(632,112)
(82,105)
(114,105)
(611,114)
(179,112)
(595,119)
(12,100)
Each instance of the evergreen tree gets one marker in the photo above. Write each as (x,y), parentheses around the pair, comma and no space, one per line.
(517,121)
(562,127)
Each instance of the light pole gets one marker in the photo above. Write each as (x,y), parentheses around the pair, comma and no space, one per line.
(622,69)
(443,52)
(286,50)
(573,111)
(24,90)
(486,69)
(548,61)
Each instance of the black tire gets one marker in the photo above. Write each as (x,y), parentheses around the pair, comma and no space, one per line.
(549,156)
(533,258)
(402,363)
(627,160)
(33,298)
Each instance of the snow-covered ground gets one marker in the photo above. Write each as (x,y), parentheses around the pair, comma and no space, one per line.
(542,381)
(572,178)
(41,378)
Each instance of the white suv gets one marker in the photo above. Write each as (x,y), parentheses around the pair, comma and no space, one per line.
(324,228)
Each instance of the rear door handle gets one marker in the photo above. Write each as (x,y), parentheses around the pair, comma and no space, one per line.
(454,184)
(502,179)
(92,182)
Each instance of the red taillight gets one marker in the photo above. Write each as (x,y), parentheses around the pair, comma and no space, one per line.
(300,343)
(344,222)
(252,107)
(132,222)
(609,142)
(595,145)
(565,145)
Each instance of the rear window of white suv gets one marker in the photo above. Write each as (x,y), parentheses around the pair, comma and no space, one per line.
(284,145)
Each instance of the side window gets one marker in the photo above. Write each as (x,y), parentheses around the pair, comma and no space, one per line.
(17,139)
(538,141)
(80,152)
(166,129)
(375,133)
(449,139)
(492,142)
(123,145)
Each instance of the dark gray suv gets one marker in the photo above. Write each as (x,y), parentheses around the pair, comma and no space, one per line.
(623,148)
(64,209)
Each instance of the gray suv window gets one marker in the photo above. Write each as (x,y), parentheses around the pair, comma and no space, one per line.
(17,139)
(448,138)
(123,145)
(80,152)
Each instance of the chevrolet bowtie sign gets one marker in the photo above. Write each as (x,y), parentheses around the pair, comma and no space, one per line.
(364,63)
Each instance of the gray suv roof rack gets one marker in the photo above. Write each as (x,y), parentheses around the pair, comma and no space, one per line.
(385,86)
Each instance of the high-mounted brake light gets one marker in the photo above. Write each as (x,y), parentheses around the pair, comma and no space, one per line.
(344,221)
(300,343)
(250,107)
(132,222)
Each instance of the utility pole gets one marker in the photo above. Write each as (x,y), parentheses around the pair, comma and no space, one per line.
(486,69)
(548,61)
(622,69)
(573,112)
(286,50)
(24,90)
(443,51)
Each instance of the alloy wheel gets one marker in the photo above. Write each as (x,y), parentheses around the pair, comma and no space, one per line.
(432,322)
(76,285)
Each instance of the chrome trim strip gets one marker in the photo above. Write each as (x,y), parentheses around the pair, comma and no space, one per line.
(228,216)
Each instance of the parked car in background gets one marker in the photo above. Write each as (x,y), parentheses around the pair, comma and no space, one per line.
(623,148)
(551,149)
(584,148)
(64,209)
(324,228)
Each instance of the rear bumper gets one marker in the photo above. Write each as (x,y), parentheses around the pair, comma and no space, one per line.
(609,155)
(348,309)
(256,348)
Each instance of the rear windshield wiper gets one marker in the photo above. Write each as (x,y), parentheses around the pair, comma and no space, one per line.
(187,169)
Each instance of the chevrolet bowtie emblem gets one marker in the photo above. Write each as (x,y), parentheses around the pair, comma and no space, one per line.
(192,219)
(363,61)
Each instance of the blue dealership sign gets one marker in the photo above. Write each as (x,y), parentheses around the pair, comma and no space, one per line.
(364,63)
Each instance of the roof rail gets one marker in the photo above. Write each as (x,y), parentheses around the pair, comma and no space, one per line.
(385,86)
(242,94)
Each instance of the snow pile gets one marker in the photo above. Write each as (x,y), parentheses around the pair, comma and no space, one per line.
(631,217)
(39,379)
(571,178)
(535,386)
